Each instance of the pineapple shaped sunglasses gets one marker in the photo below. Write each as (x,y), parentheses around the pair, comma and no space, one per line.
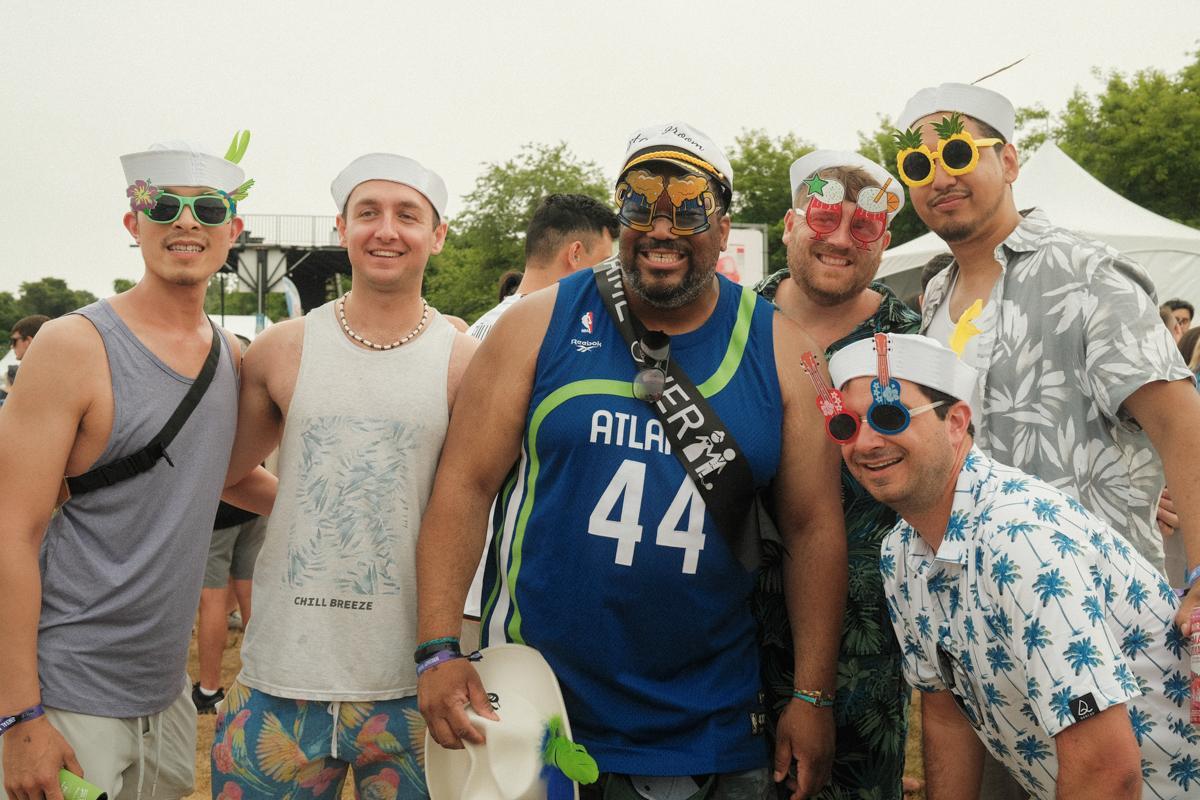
(887,415)
(957,150)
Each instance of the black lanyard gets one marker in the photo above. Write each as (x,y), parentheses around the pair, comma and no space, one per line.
(143,460)
(699,439)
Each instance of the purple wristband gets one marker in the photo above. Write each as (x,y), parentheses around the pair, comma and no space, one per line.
(440,657)
(24,716)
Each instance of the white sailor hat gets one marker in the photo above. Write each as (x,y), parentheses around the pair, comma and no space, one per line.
(511,764)
(178,163)
(974,101)
(812,163)
(918,359)
(390,167)
(680,144)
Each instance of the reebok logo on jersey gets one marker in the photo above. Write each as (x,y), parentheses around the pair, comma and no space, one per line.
(588,321)
(586,345)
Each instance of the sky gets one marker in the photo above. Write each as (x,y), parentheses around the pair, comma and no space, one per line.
(460,85)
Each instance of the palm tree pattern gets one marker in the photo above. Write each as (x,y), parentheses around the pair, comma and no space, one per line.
(1077,331)
(871,703)
(273,747)
(1056,606)
(352,506)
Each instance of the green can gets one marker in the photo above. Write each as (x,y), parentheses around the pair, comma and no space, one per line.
(76,788)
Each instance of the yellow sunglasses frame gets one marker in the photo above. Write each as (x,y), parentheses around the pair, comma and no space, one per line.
(934,156)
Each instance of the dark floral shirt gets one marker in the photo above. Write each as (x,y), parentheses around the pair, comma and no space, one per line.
(871,705)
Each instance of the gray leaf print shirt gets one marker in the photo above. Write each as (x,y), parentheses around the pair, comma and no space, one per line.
(1077,332)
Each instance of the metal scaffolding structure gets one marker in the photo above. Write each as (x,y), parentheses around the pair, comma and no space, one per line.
(301,248)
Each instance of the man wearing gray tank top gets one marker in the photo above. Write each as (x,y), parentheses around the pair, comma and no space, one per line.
(357,397)
(98,599)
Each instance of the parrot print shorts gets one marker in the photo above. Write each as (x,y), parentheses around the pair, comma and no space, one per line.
(271,747)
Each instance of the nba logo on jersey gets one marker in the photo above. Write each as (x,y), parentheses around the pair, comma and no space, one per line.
(588,322)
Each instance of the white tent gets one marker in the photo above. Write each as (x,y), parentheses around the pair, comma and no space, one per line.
(1050,180)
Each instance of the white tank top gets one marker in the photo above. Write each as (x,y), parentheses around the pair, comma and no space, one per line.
(335,600)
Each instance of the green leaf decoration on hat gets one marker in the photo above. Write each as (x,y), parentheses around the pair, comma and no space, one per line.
(237,148)
(908,140)
(570,758)
(949,126)
(240,192)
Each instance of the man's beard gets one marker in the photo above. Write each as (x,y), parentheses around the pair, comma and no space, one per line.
(952,231)
(822,296)
(187,279)
(667,298)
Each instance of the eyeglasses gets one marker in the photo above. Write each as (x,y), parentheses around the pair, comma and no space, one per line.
(208,209)
(887,415)
(690,202)
(652,351)
(959,154)
(823,214)
(842,426)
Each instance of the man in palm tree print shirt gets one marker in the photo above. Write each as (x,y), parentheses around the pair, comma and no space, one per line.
(1021,615)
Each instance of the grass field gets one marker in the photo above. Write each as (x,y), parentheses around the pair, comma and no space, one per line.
(231,663)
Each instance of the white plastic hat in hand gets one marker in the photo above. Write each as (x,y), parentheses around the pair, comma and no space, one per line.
(527,754)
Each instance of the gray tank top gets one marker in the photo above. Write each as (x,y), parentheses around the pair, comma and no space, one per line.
(122,566)
(335,597)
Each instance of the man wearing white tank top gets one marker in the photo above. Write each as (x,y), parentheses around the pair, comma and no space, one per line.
(357,397)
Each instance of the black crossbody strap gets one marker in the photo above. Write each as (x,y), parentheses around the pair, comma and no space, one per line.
(143,460)
(699,439)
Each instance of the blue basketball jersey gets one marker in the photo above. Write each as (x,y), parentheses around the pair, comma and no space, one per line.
(605,558)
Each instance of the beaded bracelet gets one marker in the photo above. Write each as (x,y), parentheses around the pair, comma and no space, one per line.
(818,699)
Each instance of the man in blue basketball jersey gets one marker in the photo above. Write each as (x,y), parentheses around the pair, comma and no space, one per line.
(610,556)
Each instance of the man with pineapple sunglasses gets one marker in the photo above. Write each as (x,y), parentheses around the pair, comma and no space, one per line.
(1080,383)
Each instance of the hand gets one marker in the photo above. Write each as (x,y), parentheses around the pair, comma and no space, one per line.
(34,752)
(806,736)
(443,695)
(1186,605)
(1167,519)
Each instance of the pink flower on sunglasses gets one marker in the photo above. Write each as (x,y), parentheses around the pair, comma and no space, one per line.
(143,196)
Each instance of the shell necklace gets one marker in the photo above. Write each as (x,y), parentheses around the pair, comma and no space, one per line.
(341,312)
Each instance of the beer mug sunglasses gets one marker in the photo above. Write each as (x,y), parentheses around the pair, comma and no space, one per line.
(689,202)
(887,415)
(957,149)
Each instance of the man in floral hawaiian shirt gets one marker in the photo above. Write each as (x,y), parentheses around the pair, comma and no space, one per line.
(828,289)
(1022,616)
(1080,382)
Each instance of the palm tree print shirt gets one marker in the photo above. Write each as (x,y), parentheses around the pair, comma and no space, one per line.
(1035,615)
(1077,331)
